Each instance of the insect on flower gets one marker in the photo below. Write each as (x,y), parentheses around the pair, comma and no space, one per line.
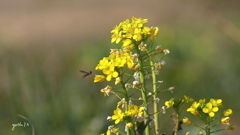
(85,73)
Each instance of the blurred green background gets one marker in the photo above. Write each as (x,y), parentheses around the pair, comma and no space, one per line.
(43,44)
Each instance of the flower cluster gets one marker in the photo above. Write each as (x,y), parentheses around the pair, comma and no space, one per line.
(210,108)
(133,111)
(133,31)
(205,111)
(108,65)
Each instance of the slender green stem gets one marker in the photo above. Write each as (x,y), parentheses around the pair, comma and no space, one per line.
(155,95)
(143,89)
(207,131)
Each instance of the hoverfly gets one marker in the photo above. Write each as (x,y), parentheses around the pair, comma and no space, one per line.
(85,73)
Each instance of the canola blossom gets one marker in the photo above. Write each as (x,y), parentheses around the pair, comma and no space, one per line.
(133,31)
(109,64)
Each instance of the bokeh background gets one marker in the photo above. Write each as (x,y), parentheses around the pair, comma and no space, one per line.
(43,44)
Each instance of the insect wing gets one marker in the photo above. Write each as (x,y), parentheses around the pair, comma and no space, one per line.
(83,71)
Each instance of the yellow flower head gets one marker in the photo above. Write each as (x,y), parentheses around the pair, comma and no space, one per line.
(133,30)
(118,115)
(186,121)
(216,102)
(116,59)
(134,110)
(99,78)
(169,103)
(193,108)
(210,109)
(228,112)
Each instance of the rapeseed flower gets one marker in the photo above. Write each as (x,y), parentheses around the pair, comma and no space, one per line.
(99,78)
(169,103)
(228,112)
(134,110)
(186,121)
(116,59)
(133,30)
(118,115)
(216,102)
(193,108)
(210,109)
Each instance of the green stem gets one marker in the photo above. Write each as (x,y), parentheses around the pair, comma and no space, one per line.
(143,90)
(155,96)
(207,129)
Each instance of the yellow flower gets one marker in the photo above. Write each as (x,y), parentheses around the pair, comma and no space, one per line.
(169,103)
(118,115)
(228,112)
(138,22)
(134,110)
(225,120)
(126,43)
(110,72)
(117,35)
(193,108)
(102,64)
(216,102)
(133,30)
(116,59)
(188,133)
(210,109)
(153,32)
(129,125)
(140,111)
(186,121)
(99,78)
